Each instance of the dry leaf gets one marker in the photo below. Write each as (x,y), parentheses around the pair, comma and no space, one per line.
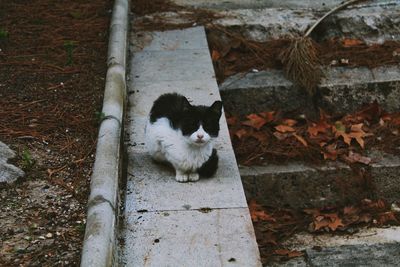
(288,253)
(260,136)
(316,128)
(284,128)
(255,121)
(215,55)
(352,42)
(301,139)
(268,116)
(240,133)
(257,213)
(289,122)
(355,157)
(231,121)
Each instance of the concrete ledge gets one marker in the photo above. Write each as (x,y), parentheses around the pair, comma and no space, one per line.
(99,243)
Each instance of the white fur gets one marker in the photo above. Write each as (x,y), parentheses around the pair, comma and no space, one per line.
(186,154)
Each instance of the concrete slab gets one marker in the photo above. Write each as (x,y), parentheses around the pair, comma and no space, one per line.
(167,223)
(175,65)
(191,38)
(153,187)
(190,238)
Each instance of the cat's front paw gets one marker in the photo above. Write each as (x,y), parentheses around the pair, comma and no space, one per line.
(193,177)
(182,177)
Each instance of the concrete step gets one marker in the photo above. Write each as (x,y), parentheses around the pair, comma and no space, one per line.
(343,90)
(372,21)
(367,247)
(299,185)
(167,223)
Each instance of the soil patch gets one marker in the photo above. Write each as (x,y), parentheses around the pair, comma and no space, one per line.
(52,71)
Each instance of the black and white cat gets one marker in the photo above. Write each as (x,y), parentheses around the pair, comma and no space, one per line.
(182,134)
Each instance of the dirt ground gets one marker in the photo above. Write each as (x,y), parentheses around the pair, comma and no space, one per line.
(52,71)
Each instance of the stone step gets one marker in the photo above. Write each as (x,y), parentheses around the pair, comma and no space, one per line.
(167,223)
(299,185)
(367,247)
(372,22)
(343,90)
(257,4)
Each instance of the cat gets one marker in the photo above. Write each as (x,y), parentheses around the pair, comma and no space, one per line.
(182,134)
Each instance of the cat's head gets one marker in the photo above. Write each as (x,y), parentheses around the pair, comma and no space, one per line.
(199,124)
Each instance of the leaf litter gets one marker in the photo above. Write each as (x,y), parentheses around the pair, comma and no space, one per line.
(274,226)
(260,138)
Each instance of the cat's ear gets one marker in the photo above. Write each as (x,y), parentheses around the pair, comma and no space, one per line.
(185,104)
(216,108)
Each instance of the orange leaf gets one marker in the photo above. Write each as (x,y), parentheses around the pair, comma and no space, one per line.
(350,210)
(301,139)
(260,136)
(284,128)
(215,55)
(268,116)
(289,122)
(295,253)
(231,120)
(257,213)
(316,128)
(240,133)
(255,121)
(352,42)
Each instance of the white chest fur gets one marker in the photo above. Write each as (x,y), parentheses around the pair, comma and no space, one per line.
(167,144)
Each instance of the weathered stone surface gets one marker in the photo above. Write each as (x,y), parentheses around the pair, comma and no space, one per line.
(217,237)
(361,255)
(373,24)
(343,90)
(299,185)
(167,223)
(8,172)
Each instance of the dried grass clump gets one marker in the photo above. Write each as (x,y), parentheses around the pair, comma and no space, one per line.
(300,59)
(301,63)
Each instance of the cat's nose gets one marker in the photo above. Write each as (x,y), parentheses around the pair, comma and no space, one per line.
(200,136)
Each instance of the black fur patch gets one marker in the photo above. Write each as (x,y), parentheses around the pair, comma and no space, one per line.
(209,167)
(186,117)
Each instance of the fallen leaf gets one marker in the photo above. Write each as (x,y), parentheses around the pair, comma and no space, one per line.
(255,121)
(281,136)
(301,139)
(330,152)
(352,42)
(215,55)
(260,136)
(240,133)
(355,157)
(268,116)
(232,120)
(386,217)
(284,128)
(289,122)
(288,253)
(316,128)
(257,213)
(231,57)
(350,210)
